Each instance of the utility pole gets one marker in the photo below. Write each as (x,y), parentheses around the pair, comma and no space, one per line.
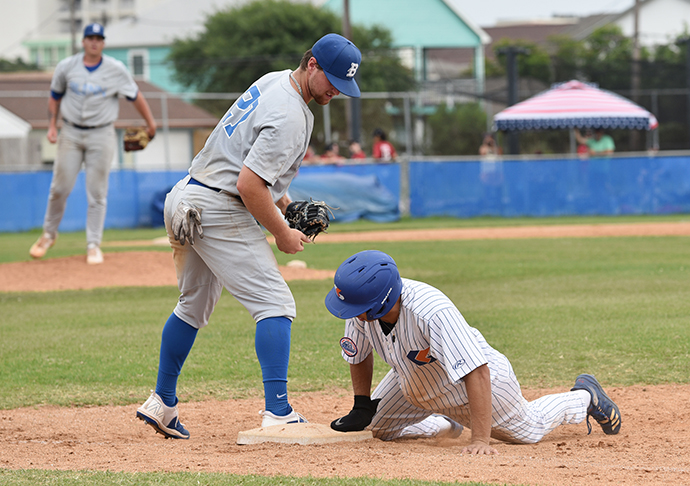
(635,81)
(687,81)
(73,24)
(352,105)
(512,53)
(686,41)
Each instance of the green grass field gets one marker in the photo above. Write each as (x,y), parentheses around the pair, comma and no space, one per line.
(615,307)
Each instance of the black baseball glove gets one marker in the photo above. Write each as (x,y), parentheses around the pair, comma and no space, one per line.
(359,417)
(310,217)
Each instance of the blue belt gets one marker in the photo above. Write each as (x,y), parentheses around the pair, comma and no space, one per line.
(197,183)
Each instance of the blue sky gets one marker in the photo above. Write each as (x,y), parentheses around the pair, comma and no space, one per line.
(486,13)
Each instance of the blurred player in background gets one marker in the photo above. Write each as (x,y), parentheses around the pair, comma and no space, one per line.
(84,91)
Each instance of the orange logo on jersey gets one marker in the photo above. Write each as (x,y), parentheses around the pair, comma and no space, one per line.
(421,357)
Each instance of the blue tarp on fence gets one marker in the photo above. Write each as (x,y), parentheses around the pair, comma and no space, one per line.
(354,196)
(545,187)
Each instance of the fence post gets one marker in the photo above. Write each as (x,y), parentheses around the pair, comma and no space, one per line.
(408,125)
(166,130)
(404,203)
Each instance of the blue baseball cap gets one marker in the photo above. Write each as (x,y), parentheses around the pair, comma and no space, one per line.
(339,58)
(94,29)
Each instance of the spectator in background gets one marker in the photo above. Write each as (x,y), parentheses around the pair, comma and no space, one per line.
(582,148)
(599,144)
(383,150)
(332,155)
(310,158)
(356,151)
(489,145)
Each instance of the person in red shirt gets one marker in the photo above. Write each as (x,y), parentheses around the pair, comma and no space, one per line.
(332,154)
(383,150)
(356,151)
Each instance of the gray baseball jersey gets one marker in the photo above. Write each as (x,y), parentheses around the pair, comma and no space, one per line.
(91,96)
(268,129)
(430,350)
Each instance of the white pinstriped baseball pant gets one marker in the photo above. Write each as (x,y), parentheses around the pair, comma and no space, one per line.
(514,419)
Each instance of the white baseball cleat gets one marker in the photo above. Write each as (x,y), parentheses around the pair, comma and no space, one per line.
(94,255)
(164,420)
(449,428)
(272,419)
(44,242)
(434,426)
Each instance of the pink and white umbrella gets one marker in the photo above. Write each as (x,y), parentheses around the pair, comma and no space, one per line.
(575,105)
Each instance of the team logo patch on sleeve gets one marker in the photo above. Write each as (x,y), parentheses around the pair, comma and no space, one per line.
(420,357)
(349,346)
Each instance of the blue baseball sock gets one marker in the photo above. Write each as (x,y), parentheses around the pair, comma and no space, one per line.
(272,343)
(176,342)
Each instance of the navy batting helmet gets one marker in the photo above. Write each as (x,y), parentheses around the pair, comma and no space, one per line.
(367,282)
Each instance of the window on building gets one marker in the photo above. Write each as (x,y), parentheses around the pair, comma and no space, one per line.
(48,58)
(139,64)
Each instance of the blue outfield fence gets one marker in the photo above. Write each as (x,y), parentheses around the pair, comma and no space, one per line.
(511,188)
(423,187)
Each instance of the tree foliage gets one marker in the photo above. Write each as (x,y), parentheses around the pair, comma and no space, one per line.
(7,66)
(239,45)
(457,130)
(606,58)
(534,64)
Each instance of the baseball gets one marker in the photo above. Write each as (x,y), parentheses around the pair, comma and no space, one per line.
(297,264)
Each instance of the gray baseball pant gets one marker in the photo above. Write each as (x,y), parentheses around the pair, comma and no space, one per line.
(94,147)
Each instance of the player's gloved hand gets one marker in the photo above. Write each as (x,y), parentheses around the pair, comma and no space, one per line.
(359,417)
(186,219)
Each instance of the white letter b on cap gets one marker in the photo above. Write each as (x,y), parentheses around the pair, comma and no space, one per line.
(353,70)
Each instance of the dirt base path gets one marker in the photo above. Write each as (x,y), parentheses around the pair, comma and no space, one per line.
(653,447)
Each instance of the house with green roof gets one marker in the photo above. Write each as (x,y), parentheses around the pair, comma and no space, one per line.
(418,26)
(143,43)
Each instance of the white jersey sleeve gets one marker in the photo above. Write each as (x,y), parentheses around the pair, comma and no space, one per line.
(355,344)
(456,345)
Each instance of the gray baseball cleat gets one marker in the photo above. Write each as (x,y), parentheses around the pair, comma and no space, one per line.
(602,408)
(164,420)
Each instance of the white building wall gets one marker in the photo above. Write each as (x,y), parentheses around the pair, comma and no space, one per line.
(19,19)
(661,21)
(173,154)
(23,20)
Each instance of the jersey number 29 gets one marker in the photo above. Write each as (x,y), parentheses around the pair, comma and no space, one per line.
(241,110)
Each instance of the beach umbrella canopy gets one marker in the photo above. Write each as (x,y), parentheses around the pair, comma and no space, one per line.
(575,105)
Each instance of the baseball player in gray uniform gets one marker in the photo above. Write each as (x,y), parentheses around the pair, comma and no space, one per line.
(444,375)
(240,176)
(84,90)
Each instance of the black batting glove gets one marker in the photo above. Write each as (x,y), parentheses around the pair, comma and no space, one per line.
(359,417)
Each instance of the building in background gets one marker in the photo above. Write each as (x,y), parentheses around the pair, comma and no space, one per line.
(143,43)
(24,125)
(39,31)
(439,25)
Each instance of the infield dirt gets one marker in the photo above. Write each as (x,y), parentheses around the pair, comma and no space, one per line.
(652,449)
